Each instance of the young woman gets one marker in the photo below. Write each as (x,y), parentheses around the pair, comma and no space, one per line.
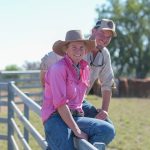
(66,83)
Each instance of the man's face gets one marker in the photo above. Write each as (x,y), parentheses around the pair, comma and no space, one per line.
(76,51)
(102,37)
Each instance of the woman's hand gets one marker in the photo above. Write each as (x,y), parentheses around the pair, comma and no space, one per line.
(69,120)
(78,133)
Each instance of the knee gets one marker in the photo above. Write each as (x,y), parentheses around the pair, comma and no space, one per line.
(109,134)
(106,133)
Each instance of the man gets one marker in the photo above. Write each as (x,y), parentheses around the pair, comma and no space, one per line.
(100,66)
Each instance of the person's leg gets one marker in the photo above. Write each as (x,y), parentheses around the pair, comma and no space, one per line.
(58,135)
(97,130)
(91,111)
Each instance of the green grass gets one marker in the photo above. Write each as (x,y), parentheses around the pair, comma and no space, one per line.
(132,122)
(129,115)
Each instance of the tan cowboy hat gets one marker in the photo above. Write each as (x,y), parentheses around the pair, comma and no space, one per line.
(60,47)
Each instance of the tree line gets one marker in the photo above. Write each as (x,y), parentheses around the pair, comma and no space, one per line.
(130,50)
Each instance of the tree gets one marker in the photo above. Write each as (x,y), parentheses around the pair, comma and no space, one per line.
(31,65)
(11,68)
(130,51)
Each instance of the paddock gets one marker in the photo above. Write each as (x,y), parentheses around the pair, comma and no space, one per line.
(11,95)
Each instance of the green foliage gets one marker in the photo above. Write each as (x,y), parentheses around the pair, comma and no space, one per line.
(129,115)
(11,68)
(130,51)
(132,124)
(31,65)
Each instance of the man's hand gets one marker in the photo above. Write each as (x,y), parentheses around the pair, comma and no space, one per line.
(102,114)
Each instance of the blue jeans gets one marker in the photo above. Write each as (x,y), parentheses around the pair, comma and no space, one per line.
(108,129)
(60,137)
(90,111)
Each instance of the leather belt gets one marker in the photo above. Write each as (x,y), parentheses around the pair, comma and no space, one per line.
(75,113)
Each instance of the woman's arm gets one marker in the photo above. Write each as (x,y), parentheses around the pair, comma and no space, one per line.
(68,119)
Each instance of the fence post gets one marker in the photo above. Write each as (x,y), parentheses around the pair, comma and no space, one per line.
(26,113)
(10,115)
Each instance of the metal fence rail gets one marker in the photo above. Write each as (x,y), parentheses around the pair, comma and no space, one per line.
(13,108)
(80,144)
(10,92)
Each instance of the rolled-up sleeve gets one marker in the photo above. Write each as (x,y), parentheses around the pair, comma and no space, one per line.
(57,79)
(106,75)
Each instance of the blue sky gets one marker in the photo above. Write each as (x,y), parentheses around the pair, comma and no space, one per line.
(28,28)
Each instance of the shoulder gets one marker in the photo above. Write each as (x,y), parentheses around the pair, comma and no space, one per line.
(105,51)
(51,55)
(49,59)
(58,70)
(59,66)
(106,54)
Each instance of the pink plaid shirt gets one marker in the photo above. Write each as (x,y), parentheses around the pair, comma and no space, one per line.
(62,86)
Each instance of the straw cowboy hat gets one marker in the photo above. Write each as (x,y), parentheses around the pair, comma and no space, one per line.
(60,47)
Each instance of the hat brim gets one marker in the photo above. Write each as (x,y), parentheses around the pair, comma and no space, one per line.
(60,47)
(114,33)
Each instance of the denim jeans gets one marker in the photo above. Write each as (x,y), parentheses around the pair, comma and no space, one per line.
(90,111)
(60,137)
(109,129)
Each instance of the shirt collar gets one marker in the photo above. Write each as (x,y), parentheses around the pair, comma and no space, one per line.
(82,63)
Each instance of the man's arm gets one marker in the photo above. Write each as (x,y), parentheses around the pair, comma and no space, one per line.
(106,100)
(42,77)
(107,80)
(43,68)
(106,96)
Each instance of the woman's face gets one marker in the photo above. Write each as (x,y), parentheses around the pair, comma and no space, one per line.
(76,51)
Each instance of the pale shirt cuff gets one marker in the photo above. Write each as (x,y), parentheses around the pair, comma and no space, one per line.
(106,88)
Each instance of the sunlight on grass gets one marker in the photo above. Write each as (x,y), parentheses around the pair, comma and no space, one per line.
(129,115)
